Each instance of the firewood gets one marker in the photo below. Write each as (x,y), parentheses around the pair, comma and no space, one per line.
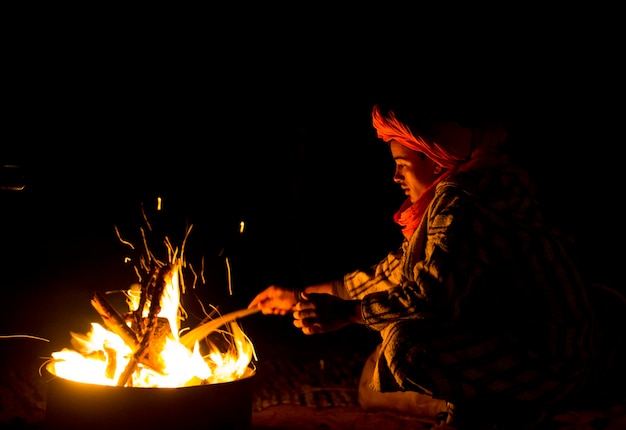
(125,378)
(144,356)
(146,290)
(141,355)
(114,321)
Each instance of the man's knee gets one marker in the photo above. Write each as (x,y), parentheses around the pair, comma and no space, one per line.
(402,402)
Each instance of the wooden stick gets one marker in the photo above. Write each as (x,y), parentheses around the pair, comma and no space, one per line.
(125,377)
(146,288)
(114,321)
(139,356)
(204,329)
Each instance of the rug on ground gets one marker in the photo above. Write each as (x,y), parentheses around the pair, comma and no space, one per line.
(327,381)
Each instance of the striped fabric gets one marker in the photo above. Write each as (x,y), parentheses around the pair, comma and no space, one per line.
(483,299)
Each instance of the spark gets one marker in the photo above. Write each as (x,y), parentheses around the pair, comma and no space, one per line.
(27,336)
(117,233)
(145,218)
(230,283)
(202,271)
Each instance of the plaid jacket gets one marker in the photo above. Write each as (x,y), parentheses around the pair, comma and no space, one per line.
(483,299)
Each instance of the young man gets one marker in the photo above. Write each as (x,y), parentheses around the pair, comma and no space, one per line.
(481,308)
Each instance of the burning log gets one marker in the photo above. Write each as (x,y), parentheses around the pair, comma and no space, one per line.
(146,290)
(147,350)
(143,352)
(114,321)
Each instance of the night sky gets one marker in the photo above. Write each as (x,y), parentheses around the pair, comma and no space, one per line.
(277,135)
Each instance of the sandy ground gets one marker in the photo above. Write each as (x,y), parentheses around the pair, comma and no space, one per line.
(354,418)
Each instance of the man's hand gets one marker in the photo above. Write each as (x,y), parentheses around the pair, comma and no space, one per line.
(321,313)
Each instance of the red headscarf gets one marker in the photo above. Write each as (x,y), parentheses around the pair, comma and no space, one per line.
(448,144)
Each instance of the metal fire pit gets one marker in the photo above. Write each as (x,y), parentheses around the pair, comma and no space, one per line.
(74,405)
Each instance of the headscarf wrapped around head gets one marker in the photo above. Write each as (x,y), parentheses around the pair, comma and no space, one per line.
(448,143)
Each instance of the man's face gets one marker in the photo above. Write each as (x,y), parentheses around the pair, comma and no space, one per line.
(414,171)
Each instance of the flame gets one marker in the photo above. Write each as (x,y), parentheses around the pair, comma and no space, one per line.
(102,357)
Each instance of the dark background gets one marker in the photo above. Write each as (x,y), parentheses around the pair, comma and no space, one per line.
(270,126)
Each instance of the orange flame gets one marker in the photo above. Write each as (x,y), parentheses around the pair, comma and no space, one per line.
(101,356)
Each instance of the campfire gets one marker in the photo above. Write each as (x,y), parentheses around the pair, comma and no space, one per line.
(148,349)
(143,348)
